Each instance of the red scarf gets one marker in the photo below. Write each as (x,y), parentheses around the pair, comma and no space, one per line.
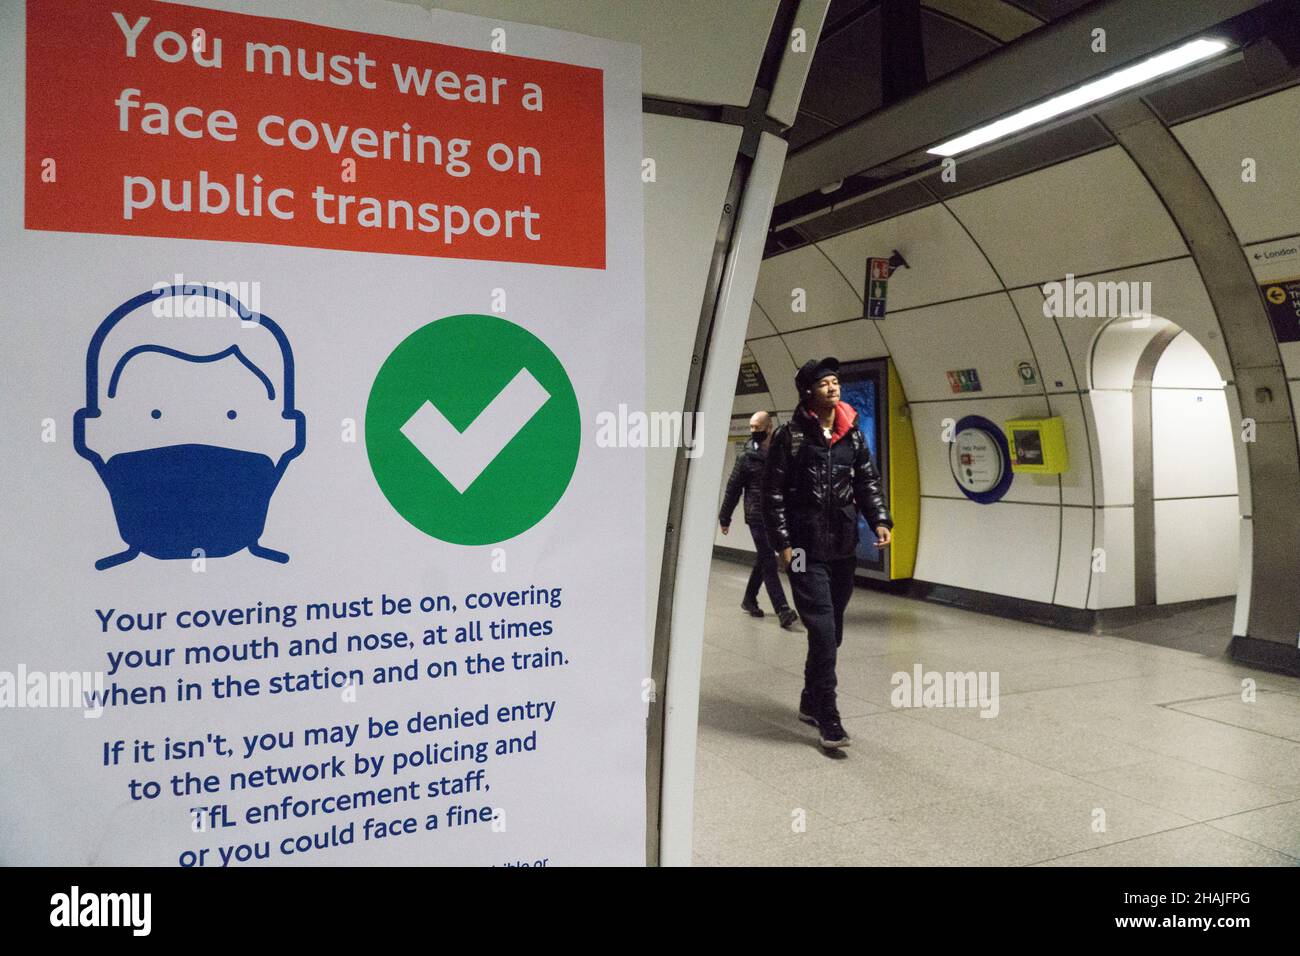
(846,416)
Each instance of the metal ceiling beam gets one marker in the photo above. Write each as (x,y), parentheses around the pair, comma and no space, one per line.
(1039,64)
(1259,378)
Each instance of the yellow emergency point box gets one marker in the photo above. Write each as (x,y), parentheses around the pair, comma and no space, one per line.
(1038,445)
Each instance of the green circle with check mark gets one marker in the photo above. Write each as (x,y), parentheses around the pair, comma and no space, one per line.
(472,429)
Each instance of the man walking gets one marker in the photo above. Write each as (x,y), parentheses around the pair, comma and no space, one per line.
(747,476)
(818,476)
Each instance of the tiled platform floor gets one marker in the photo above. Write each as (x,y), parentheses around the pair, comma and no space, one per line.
(1105,751)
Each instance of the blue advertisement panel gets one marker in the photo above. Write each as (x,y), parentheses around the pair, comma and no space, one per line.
(864,386)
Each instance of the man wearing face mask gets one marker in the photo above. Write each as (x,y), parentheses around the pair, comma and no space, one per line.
(747,477)
(818,476)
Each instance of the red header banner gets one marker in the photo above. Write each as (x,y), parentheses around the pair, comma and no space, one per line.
(156,119)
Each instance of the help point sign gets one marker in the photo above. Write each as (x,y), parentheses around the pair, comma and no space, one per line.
(310,557)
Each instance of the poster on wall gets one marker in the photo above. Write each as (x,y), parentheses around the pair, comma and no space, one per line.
(1283,302)
(750,380)
(310,557)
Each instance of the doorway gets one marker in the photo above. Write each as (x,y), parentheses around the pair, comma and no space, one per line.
(1186,505)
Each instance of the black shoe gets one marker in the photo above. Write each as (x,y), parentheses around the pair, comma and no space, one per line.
(789,619)
(752,608)
(806,710)
(831,732)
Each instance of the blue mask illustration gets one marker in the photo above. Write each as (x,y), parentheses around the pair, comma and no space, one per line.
(189,498)
(175,501)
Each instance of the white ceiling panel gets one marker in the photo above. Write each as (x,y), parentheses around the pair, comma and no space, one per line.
(943,262)
(758,323)
(753,402)
(846,341)
(700,52)
(1053,368)
(1177,295)
(778,369)
(783,104)
(826,295)
(1089,214)
(1267,131)
(982,333)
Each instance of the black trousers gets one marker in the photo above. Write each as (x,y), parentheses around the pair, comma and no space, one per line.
(821,593)
(765,572)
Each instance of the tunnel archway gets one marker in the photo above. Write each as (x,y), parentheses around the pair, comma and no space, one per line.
(1185,460)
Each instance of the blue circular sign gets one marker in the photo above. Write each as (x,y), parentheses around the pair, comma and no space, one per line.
(980,460)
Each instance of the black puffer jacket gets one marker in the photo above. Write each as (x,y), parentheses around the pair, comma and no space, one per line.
(746,476)
(813,489)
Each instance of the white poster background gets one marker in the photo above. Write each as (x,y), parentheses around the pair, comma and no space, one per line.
(579,799)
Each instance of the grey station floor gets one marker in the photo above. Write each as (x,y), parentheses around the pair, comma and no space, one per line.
(1105,750)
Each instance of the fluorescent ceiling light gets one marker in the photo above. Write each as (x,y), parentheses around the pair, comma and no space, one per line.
(1090,92)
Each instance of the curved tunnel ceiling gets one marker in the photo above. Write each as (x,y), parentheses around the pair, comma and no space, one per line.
(844,83)
(866,169)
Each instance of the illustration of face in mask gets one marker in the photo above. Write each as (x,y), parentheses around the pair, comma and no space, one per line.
(195,424)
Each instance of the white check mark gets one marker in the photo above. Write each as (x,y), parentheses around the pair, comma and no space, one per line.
(462,456)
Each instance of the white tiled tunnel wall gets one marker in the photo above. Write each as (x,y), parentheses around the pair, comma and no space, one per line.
(972,297)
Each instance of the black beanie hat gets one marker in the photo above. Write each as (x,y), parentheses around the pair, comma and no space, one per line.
(813,371)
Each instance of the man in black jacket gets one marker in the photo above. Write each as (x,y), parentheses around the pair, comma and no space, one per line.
(747,476)
(818,476)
